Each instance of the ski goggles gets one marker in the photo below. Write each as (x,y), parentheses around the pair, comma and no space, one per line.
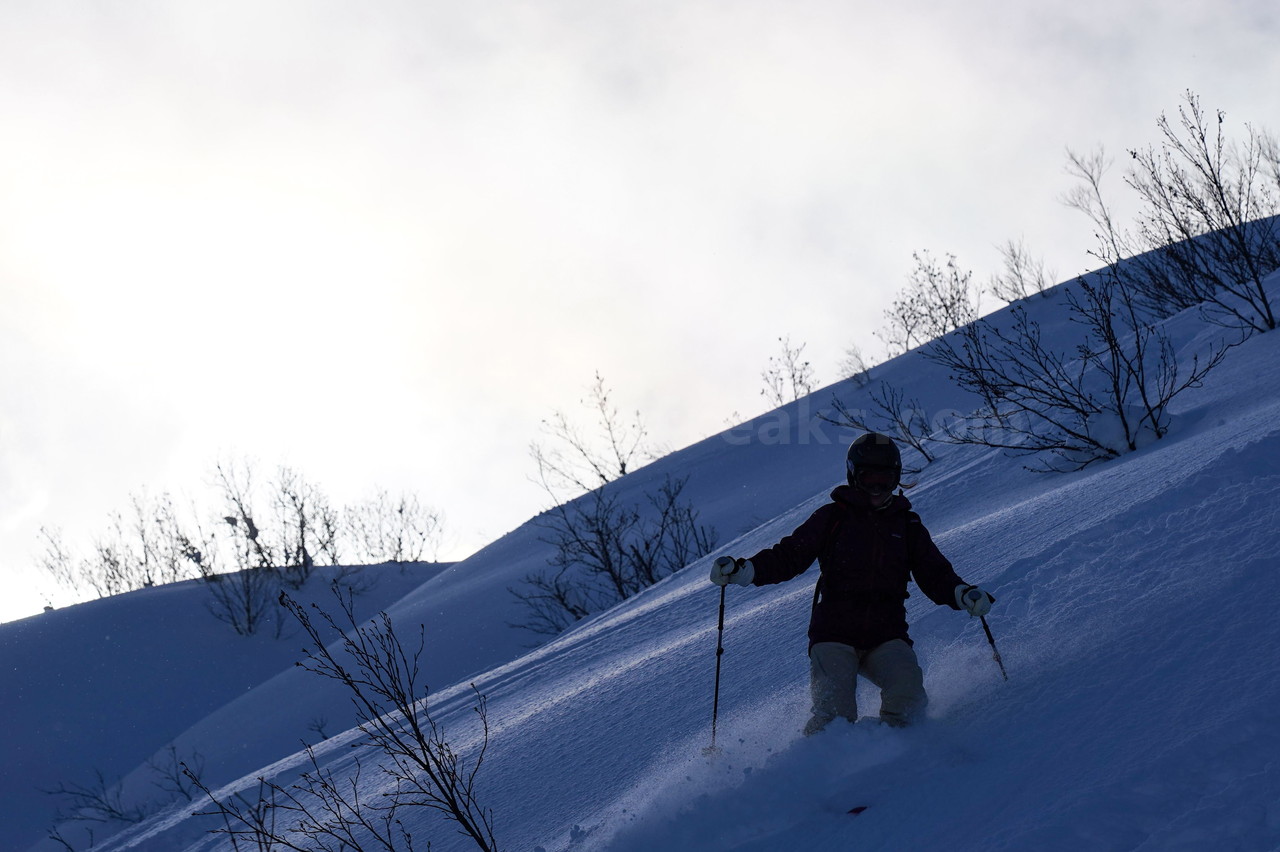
(874,480)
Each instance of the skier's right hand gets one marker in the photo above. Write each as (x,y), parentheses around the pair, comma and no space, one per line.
(973,600)
(727,570)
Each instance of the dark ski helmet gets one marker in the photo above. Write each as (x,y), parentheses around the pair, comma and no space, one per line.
(874,464)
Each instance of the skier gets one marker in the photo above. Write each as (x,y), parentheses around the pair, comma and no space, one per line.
(867,542)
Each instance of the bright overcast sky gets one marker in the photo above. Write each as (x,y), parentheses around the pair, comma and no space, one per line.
(378,241)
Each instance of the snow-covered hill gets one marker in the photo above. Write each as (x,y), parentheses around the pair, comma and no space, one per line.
(1134,617)
(102,686)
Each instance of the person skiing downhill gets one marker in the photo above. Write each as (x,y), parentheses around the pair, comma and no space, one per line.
(867,543)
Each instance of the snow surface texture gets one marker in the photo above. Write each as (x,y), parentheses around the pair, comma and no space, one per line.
(1134,614)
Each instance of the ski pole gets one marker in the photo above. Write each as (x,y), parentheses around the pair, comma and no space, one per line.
(715,704)
(995,655)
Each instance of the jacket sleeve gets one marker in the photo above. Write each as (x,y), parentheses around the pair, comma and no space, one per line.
(795,553)
(932,571)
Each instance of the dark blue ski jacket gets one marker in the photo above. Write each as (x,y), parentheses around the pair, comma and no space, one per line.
(866,557)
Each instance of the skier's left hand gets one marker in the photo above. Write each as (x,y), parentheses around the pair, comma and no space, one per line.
(973,600)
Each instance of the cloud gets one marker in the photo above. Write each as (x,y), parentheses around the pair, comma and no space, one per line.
(312,227)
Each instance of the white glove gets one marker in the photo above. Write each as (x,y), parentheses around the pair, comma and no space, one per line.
(973,600)
(727,570)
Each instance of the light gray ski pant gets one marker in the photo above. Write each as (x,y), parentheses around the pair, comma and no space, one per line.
(833,673)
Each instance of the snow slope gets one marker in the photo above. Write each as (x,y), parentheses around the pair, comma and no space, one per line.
(1133,616)
(104,685)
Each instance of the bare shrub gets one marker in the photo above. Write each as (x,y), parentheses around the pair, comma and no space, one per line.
(1208,205)
(245,600)
(320,727)
(57,561)
(391,703)
(605,550)
(936,300)
(250,548)
(1102,399)
(1021,275)
(268,536)
(306,526)
(854,367)
(147,547)
(319,812)
(245,597)
(326,813)
(170,776)
(1206,235)
(891,413)
(788,376)
(301,528)
(97,802)
(394,529)
(572,461)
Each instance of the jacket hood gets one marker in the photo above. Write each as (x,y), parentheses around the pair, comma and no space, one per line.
(847,495)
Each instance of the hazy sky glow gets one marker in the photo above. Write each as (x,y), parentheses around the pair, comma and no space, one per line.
(378,241)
